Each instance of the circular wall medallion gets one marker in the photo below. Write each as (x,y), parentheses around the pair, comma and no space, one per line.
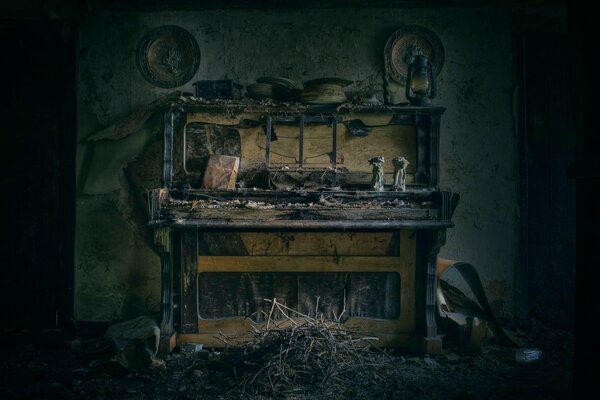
(168,56)
(407,42)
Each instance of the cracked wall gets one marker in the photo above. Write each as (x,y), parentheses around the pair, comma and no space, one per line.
(117,272)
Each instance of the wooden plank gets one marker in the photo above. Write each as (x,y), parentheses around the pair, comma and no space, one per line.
(221,244)
(219,118)
(347,214)
(298,263)
(244,326)
(238,325)
(167,343)
(236,109)
(324,244)
(408,297)
(303,225)
(210,339)
(305,196)
(189,280)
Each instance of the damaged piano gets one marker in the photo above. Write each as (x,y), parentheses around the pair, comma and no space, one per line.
(278,201)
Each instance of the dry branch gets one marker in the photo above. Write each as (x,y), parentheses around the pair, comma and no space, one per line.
(309,354)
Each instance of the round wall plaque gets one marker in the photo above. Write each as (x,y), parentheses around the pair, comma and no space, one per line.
(168,56)
(407,42)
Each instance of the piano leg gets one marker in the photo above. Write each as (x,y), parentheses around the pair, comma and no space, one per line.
(432,342)
(163,240)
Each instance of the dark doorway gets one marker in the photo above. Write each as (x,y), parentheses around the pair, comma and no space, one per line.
(548,212)
(37,133)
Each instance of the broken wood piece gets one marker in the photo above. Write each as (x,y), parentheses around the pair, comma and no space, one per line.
(221,172)
(167,343)
(135,342)
(432,344)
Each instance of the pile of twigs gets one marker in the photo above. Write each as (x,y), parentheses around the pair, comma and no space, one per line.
(298,353)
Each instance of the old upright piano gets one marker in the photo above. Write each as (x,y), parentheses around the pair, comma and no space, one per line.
(303,224)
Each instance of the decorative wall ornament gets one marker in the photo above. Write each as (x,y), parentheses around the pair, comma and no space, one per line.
(408,42)
(168,56)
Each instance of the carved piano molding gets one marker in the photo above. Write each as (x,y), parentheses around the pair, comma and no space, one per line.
(303,225)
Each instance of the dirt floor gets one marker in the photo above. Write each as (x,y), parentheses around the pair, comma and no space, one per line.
(39,370)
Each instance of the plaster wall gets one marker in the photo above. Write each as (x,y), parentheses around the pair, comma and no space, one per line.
(118,274)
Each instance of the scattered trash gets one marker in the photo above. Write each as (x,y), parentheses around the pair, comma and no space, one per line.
(473,317)
(453,357)
(198,373)
(135,342)
(528,355)
(157,363)
(203,354)
(76,345)
(29,373)
(189,348)
(259,205)
(430,362)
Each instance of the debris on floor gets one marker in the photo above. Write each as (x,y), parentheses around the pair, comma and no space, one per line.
(302,355)
(135,343)
(39,371)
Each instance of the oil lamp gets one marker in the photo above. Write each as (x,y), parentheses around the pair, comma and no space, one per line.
(420,82)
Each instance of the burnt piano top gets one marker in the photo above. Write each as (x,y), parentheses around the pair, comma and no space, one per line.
(342,204)
(237,106)
(319,210)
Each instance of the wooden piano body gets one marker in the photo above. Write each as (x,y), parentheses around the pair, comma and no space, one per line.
(303,225)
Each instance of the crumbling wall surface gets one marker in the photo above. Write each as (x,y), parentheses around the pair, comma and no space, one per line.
(117,272)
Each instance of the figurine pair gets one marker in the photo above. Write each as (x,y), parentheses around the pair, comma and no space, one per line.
(400,163)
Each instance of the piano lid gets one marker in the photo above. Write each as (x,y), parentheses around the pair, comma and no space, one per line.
(360,210)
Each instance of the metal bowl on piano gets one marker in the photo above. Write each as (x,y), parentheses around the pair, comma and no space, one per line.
(324,91)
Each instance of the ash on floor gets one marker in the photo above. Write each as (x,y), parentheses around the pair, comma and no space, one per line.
(33,371)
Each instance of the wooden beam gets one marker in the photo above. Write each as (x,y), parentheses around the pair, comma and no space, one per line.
(299,264)
(167,343)
(324,244)
(244,326)
(265,214)
(189,280)
(302,225)
(408,296)
(210,339)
